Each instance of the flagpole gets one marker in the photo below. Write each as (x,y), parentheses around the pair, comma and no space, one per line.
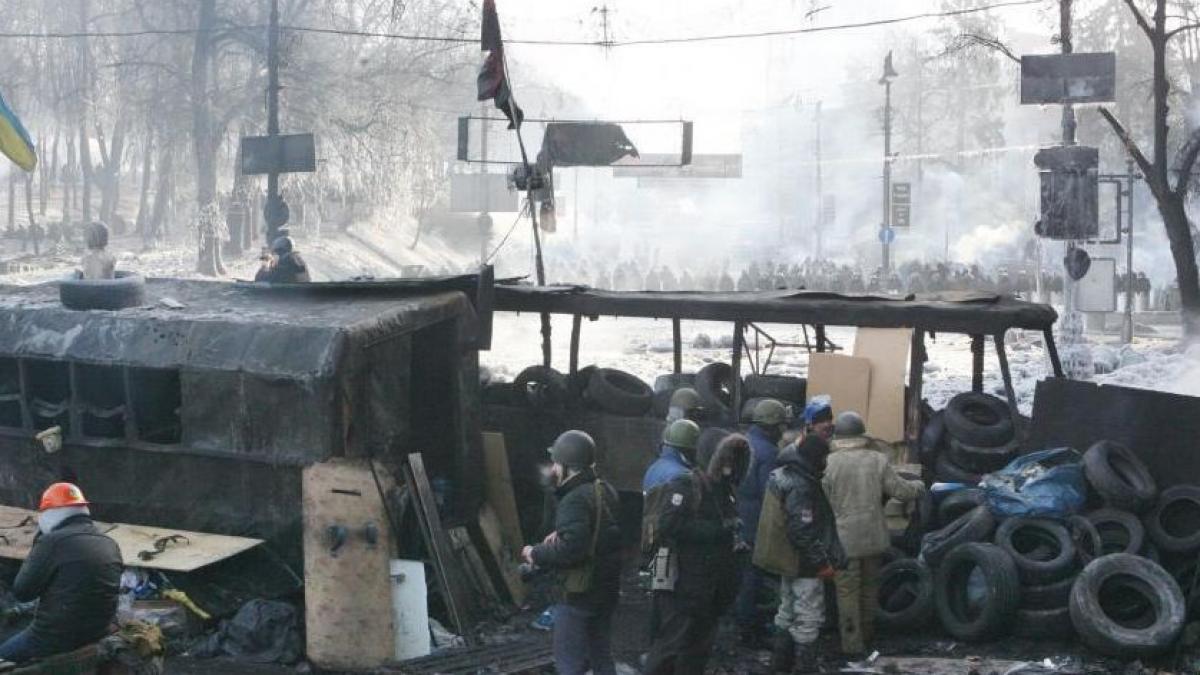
(538,262)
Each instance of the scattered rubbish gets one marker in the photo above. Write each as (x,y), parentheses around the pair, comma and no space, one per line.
(1048,483)
(442,638)
(262,631)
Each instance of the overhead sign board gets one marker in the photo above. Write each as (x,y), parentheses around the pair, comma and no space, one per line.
(1068,78)
(651,165)
(901,204)
(1097,289)
(292,153)
(481,193)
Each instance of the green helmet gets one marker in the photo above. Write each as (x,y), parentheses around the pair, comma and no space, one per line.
(686,399)
(682,434)
(574,449)
(849,423)
(770,412)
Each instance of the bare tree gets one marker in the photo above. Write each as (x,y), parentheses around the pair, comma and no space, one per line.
(1168,182)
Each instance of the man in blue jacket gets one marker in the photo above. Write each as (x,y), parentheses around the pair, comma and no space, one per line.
(676,456)
(769,419)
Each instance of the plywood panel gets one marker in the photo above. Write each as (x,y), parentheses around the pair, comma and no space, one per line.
(348,594)
(845,379)
(195,551)
(498,517)
(507,557)
(887,350)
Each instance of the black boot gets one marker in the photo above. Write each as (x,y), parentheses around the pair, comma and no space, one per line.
(783,653)
(806,660)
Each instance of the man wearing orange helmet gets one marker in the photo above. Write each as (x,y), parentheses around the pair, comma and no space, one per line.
(73,571)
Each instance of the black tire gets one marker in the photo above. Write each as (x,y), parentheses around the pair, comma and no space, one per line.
(975,526)
(126,289)
(932,439)
(783,388)
(1088,544)
(1047,596)
(542,387)
(956,504)
(1120,531)
(577,384)
(1044,624)
(714,384)
(672,381)
(905,596)
(620,393)
(1174,522)
(979,419)
(1041,548)
(502,393)
(979,459)
(1119,477)
(994,614)
(1091,606)
(948,472)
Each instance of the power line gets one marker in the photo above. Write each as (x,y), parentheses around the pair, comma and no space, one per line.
(415,37)
(520,215)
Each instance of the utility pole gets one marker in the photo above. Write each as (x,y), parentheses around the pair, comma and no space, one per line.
(1077,362)
(275,211)
(889,73)
(485,218)
(820,196)
(1127,326)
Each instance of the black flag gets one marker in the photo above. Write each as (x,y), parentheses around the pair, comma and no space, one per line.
(493,76)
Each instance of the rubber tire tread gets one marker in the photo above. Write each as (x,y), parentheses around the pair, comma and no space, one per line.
(933,438)
(783,388)
(1165,541)
(1047,596)
(966,430)
(947,471)
(553,382)
(959,503)
(1044,624)
(999,610)
(1108,637)
(983,460)
(126,289)
(604,392)
(1113,488)
(919,613)
(975,526)
(1137,532)
(1031,570)
(708,385)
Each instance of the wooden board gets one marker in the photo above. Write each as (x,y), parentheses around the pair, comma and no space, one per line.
(887,350)
(348,595)
(200,548)
(845,379)
(498,517)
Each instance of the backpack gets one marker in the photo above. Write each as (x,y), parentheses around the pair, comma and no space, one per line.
(773,552)
(652,507)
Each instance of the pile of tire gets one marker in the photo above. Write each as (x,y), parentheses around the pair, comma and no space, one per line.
(607,389)
(788,390)
(971,436)
(1047,562)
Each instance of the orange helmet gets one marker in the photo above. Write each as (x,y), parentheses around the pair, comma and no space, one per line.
(60,495)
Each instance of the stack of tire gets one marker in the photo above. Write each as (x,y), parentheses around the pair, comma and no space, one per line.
(971,436)
(608,389)
(788,390)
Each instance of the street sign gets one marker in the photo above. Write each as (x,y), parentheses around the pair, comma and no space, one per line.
(481,192)
(1097,289)
(652,165)
(1068,78)
(887,235)
(901,204)
(292,153)
(1070,194)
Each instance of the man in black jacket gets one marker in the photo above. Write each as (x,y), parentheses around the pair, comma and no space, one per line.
(585,550)
(812,531)
(699,526)
(74,573)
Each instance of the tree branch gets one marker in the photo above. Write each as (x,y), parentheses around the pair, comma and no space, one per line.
(964,41)
(1140,18)
(1185,159)
(1179,29)
(1152,179)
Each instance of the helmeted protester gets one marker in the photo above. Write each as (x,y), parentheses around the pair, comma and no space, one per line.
(698,523)
(73,571)
(585,552)
(858,479)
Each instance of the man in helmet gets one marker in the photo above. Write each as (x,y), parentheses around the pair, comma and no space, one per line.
(74,573)
(859,479)
(685,405)
(698,523)
(769,420)
(585,551)
(676,455)
(285,266)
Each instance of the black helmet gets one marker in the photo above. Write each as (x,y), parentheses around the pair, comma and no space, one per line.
(574,449)
(282,246)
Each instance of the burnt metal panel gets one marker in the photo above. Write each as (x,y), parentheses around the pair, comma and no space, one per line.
(1163,429)
(1068,78)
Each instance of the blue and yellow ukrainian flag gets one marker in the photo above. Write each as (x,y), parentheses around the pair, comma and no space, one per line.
(14,140)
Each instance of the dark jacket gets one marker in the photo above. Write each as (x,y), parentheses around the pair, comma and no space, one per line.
(698,523)
(810,524)
(289,269)
(575,523)
(75,574)
(763,457)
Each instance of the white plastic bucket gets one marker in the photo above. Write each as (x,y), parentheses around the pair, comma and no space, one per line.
(410,609)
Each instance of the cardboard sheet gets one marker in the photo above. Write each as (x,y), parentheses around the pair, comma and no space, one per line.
(199,549)
(498,518)
(887,350)
(845,379)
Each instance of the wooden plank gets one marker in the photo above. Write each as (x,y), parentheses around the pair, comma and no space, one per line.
(472,564)
(887,349)
(507,557)
(348,598)
(450,574)
(200,549)
(916,381)
(498,487)
(846,380)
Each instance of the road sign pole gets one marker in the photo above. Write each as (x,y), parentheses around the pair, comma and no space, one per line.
(275,211)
